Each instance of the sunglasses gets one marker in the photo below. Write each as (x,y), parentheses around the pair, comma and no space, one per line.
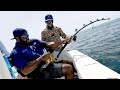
(49,21)
(25,36)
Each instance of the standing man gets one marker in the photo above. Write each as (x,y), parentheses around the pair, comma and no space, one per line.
(52,34)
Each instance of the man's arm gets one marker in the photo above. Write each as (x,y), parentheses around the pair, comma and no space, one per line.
(57,43)
(43,36)
(62,34)
(32,65)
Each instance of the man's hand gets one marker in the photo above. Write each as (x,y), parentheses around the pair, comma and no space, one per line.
(45,56)
(67,40)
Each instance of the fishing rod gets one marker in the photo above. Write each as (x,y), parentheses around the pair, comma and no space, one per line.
(74,36)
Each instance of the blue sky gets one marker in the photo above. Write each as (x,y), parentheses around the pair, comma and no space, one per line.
(33,22)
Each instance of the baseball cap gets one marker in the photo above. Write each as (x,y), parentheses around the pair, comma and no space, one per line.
(19,32)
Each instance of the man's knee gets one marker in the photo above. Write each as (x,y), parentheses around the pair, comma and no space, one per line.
(67,68)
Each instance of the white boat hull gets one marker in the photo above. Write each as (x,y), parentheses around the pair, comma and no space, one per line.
(88,68)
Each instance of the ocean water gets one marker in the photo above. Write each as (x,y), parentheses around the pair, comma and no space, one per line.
(102,43)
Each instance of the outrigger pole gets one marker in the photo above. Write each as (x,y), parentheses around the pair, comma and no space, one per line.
(74,36)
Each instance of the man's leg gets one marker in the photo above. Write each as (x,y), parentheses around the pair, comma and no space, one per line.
(57,70)
(68,72)
(71,63)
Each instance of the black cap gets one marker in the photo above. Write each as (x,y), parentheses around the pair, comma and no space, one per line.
(19,32)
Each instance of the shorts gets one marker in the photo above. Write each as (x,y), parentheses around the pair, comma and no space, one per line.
(51,71)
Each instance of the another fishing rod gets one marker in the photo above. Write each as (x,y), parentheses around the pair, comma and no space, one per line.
(74,36)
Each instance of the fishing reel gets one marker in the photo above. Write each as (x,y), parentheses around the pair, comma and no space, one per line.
(50,60)
(74,38)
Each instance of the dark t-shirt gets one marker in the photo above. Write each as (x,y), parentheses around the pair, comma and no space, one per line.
(22,54)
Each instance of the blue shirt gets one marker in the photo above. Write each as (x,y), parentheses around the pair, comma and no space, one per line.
(22,54)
